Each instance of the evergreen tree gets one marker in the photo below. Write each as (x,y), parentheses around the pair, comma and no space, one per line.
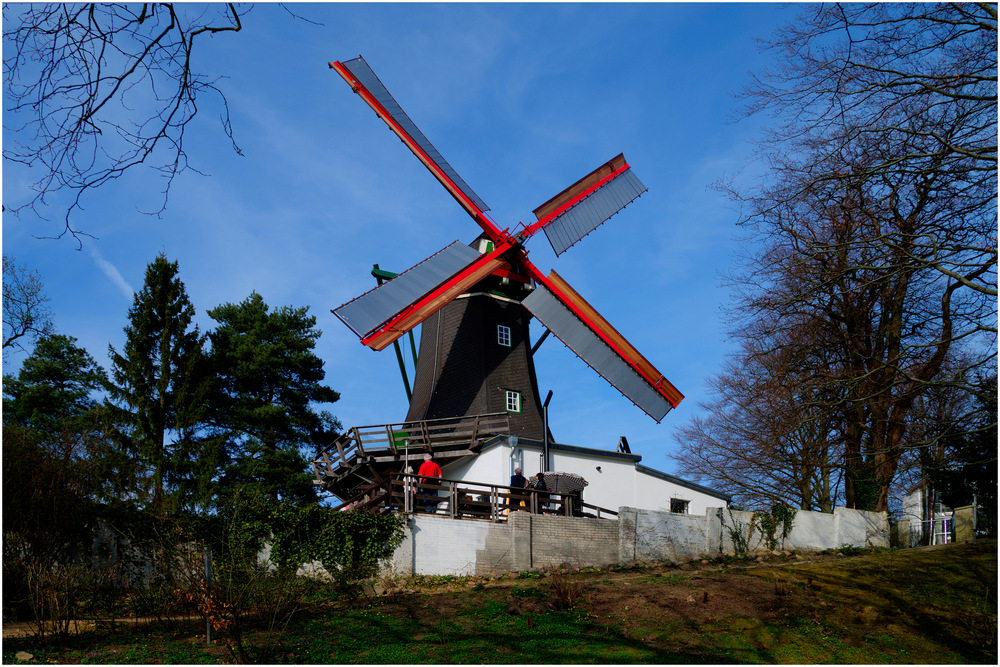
(269,379)
(54,463)
(159,385)
(965,470)
(54,387)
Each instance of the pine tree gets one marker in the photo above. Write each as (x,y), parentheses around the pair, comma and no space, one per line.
(55,458)
(269,380)
(53,388)
(160,382)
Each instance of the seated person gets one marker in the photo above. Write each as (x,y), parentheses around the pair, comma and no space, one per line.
(538,484)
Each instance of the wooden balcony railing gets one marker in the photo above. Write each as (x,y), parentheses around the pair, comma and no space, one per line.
(460,499)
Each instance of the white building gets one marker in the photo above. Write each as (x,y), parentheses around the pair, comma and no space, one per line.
(930,522)
(615,479)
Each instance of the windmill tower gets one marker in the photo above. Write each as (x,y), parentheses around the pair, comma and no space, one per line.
(475,356)
(475,302)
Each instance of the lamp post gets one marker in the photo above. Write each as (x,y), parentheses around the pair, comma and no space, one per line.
(545,431)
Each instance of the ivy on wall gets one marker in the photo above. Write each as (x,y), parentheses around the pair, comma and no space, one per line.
(768,522)
(348,544)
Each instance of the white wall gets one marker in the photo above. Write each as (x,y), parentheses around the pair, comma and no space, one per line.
(654,493)
(617,483)
(436,545)
(913,505)
(814,531)
(491,467)
(611,488)
(440,545)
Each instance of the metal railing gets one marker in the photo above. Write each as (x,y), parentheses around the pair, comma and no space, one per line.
(461,499)
(940,530)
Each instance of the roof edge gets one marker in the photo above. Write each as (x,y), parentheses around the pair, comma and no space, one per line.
(607,453)
(683,482)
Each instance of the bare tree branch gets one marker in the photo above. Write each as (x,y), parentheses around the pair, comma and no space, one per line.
(872,280)
(94,90)
(25,315)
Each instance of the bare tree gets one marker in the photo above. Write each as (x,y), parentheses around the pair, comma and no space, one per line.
(764,439)
(25,315)
(875,226)
(93,90)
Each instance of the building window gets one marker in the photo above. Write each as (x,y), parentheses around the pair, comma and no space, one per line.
(678,506)
(513,401)
(503,335)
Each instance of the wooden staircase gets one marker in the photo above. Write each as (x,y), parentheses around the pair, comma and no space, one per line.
(364,458)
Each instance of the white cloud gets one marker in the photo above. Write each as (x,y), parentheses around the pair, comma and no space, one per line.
(110,271)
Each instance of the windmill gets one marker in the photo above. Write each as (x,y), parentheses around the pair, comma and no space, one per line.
(458,368)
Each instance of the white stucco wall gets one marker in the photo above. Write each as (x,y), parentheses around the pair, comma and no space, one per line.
(654,493)
(814,531)
(436,545)
(617,483)
(493,466)
(912,505)
(611,487)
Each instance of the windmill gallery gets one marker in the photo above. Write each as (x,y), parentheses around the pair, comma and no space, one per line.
(475,406)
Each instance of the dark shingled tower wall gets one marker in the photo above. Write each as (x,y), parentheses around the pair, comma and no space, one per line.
(463,370)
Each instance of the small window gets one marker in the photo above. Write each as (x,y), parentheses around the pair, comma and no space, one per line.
(678,506)
(503,335)
(513,401)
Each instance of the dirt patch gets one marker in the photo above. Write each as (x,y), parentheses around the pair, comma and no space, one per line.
(27,628)
(678,599)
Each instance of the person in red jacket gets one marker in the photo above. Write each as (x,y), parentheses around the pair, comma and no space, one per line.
(428,471)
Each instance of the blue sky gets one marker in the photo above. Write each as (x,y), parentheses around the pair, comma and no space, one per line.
(522,100)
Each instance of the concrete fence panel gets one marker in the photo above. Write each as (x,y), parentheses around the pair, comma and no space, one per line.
(859,528)
(965,523)
(811,531)
(651,535)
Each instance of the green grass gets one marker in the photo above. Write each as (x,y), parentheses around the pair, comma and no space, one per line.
(893,607)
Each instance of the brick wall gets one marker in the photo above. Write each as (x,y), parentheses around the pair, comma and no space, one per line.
(555,540)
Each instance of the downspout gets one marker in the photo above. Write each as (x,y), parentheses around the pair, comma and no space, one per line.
(545,432)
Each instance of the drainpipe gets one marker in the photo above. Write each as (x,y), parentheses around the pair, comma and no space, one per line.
(545,431)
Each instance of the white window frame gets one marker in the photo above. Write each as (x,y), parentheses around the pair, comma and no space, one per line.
(503,335)
(513,401)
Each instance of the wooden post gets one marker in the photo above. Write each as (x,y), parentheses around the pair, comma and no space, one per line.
(208,591)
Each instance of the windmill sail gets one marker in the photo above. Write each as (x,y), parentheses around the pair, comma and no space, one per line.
(370,310)
(588,203)
(406,129)
(575,322)
(385,313)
